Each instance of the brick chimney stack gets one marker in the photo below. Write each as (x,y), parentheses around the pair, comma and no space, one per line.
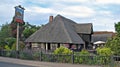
(50,19)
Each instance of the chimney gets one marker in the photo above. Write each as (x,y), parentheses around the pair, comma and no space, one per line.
(50,19)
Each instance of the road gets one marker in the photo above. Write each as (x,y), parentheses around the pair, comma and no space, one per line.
(12,62)
(7,64)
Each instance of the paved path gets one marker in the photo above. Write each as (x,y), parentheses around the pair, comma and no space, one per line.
(40,64)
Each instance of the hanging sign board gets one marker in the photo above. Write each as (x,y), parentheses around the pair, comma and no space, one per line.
(19,13)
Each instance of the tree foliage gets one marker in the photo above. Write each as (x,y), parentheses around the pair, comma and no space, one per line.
(8,33)
(10,41)
(7,48)
(14,28)
(114,44)
(4,33)
(29,29)
(21,46)
(117,28)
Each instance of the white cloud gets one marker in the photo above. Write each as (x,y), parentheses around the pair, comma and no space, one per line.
(6,13)
(77,11)
(105,13)
(7,10)
(63,1)
(37,9)
(72,1)
(104,24)
(73,11)
(108,1)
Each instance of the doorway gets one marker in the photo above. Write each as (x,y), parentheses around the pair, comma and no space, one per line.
(49,47)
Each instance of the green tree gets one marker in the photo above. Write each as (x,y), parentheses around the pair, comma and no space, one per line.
(30,29)
(10,41)
(21,45)
(114,44)
(4,33)
(13,26)
(8,33)
(117,28)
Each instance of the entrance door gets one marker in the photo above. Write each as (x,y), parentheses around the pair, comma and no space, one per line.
(58,45)
(49,47)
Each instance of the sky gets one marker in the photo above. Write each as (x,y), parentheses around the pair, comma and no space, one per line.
(103,14)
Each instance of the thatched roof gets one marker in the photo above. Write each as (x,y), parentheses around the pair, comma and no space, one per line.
(101,36)
(61,30)
(84,28)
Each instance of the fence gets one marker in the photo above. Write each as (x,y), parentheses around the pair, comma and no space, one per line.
(106,61)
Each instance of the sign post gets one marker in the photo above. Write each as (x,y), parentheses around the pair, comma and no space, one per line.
(19,13)
(17,41)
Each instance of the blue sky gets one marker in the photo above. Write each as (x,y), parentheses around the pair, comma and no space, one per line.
(102,13)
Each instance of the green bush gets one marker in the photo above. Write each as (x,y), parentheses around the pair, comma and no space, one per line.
(49,57)
(84,53)
(63,54)
(104,51)
(104,54)
(8,53)
(21,45)
(36,55)
(25,55)
(62,50)
(82,57)
(7,48)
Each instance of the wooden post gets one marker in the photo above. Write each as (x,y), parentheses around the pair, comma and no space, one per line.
(84,46)
(72,58)
(40,55)
(46,46)
(17,42)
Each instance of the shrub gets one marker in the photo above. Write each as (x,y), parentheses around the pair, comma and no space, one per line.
(7,48)
(105,54)
(21,45)
(36,55)
(104,51)
(62,50)
(83,57)
(84,53)
(25,55)
(63,54)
